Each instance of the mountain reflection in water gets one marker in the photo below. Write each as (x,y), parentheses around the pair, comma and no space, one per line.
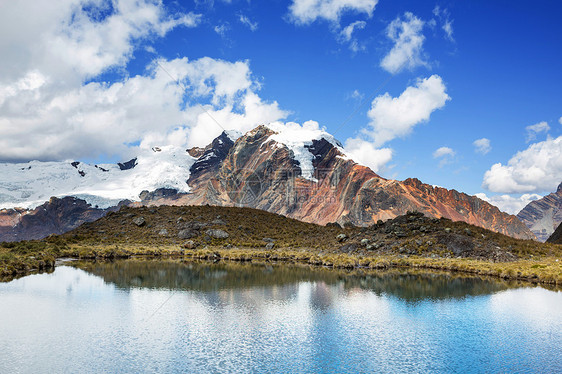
(283,280)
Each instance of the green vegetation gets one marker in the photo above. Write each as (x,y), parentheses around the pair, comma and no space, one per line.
(411,241)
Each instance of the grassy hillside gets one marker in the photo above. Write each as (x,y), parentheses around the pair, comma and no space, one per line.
(244,234)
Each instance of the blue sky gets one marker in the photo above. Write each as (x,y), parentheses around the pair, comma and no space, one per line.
(468,71)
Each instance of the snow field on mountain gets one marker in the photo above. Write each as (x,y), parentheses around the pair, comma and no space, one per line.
(27,185)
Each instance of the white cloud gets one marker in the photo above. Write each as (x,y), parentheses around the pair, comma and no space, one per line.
(253,26)
(100,119)
(408,39)
(308,11)
(67,41)
(507,203)
(48,113)
(535,129)
(222,29)
(446,22)
(482,146)
(356,95)
(346,35)
(448,28)
(445,154)
(393,117)
(560,120)
(367,154)
(535,169)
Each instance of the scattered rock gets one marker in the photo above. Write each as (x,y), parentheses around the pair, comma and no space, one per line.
(163,232)
(139,221)
(219,221)
(341,237)
(348,248)
(447,230)
(270,245)
(364,242)
(268,240)
(187,234)
(217,234)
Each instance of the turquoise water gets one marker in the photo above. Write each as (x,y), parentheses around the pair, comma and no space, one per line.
(166,316)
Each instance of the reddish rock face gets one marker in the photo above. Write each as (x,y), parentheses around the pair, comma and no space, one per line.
(544,215)
(260,173)
(54,217)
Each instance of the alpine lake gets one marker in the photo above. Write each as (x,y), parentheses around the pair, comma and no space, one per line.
(170,315)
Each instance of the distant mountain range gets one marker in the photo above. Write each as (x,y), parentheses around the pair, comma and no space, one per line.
(304,176)
(544,215)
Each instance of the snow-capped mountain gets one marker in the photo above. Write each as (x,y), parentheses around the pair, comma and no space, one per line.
(28,185)
(297,171)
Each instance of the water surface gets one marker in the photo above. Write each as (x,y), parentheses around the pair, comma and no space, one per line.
(170,316)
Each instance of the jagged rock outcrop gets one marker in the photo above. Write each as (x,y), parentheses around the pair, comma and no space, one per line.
(56,216)
(127,165)
(543,216)
(261,173)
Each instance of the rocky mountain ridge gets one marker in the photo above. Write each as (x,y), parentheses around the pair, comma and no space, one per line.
(260,173)
(310,179)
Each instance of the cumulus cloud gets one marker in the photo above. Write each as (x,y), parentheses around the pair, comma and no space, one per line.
(407,52)
(307,11)
(98,118)
(253,26)
(507,203)
(77,39)
(445,154)
(365,153)
(535,129)
(560,120)
(48,113)
(535,169)
(393,117)
(482,146)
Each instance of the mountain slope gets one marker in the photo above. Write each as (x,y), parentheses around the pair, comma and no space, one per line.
(56,216)
(299,172)
(543,216)
(262,172)
(556,237)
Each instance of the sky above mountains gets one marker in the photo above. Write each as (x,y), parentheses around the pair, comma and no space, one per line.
(464,95)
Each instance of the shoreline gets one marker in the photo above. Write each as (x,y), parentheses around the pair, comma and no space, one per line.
(544,271)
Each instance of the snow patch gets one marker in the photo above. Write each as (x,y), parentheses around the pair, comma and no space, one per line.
(28,185)
(297,138)
(233,134)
